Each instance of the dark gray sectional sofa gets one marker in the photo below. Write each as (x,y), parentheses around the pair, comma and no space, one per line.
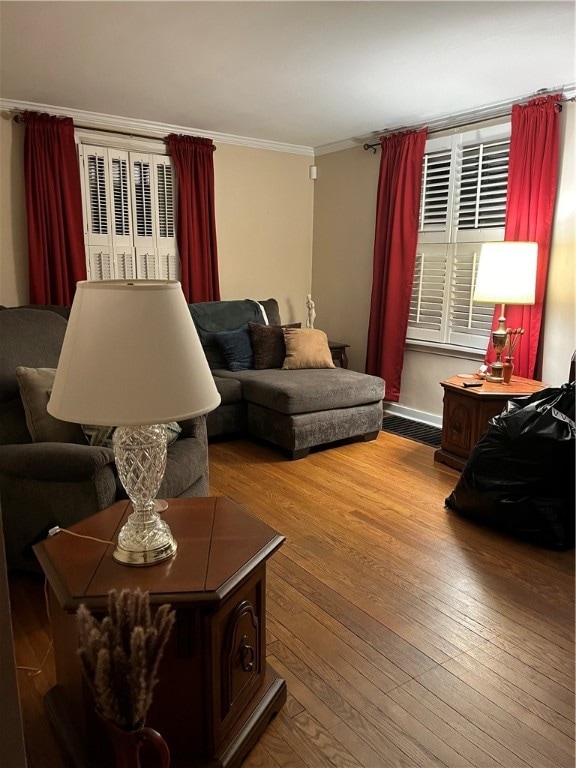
(293,409)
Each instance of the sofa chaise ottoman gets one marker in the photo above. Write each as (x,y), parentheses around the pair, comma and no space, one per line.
(292,409)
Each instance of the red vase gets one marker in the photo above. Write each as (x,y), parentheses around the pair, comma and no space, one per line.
(507,370)
(127,745)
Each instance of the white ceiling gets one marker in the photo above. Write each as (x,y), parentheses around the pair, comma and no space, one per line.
(303,73)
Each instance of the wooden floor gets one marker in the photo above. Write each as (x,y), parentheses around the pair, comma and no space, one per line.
(407,636)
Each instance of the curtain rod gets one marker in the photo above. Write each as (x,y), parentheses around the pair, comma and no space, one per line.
(19,118)
(468,118)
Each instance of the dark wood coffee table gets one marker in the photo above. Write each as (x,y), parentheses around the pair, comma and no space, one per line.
(215,694)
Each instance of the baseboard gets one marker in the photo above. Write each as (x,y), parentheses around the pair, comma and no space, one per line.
(394,409)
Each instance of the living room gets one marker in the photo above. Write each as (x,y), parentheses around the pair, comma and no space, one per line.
(286,231)
(271,214)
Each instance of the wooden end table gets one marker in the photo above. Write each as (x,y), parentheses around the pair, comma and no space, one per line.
(216,694)
(338,350)
(467,411)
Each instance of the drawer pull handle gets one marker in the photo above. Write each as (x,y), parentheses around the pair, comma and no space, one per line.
(247,655)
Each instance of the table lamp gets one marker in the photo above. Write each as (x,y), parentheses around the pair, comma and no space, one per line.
(506,275)
(132,359)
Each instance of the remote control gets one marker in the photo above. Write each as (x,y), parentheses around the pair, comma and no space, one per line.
(472,383)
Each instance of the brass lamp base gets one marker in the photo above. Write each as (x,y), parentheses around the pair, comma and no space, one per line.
(144,539)
(499,339)
(145,556)
(496,373)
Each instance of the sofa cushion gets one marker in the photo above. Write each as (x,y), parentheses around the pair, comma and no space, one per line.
(212,317)
(306,348)
(236,348)
(230,390)
(268,347)
(271,310)
(35,387)
(308,390)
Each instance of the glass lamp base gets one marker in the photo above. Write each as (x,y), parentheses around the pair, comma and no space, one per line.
(140,454)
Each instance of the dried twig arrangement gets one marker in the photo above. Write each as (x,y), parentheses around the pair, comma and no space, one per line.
(120,655)
(514,336)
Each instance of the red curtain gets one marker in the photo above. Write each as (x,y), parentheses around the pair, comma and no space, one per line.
(56,255)
(196,228)
(395,242)
(532,177)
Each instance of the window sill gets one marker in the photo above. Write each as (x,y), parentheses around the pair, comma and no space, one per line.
(446,350)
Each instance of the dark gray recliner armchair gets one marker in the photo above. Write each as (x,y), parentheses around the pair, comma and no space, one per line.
(43,484)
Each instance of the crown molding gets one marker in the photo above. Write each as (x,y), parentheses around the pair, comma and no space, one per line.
(337,146)
(152,130)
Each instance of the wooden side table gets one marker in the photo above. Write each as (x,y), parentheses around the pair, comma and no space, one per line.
(338,350)
(216,694)
(467,411)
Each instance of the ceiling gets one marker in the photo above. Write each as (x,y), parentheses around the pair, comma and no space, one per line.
(301,73)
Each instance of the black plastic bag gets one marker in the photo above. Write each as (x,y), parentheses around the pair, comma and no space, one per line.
(520,476)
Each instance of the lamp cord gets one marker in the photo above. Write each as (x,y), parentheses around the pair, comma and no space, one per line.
(35,671)
(57,529)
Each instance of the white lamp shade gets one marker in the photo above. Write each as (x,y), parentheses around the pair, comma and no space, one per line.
(131,356)
(507,273)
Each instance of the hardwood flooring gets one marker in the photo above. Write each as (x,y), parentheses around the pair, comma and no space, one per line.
(408,636)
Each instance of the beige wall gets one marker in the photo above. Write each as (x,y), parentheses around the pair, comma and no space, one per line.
(560,316)
(264,208)
(344,204)
(13,237)
(344,212)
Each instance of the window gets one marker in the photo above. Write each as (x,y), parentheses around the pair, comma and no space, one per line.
(463,204)
(129,201)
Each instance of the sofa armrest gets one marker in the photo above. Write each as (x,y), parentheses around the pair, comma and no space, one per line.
(54,462)
(194,428)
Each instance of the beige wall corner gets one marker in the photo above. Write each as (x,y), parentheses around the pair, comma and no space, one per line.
(264,216)
(13,237)
(560,315)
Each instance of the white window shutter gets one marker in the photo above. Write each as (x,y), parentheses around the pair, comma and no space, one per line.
(434,203)
(428,293)
(147,265)
(129,210)
(96,203)
(169,264)
(469,323)
(141,178)
(124,264)
(436,192)
(481,188)
(464,188)
(99,263)
(165,223)
(119,173)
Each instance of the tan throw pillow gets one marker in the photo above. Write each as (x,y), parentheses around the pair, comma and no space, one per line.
(306,348)
(35,387)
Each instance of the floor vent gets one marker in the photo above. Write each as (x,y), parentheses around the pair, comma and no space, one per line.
(413,430)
